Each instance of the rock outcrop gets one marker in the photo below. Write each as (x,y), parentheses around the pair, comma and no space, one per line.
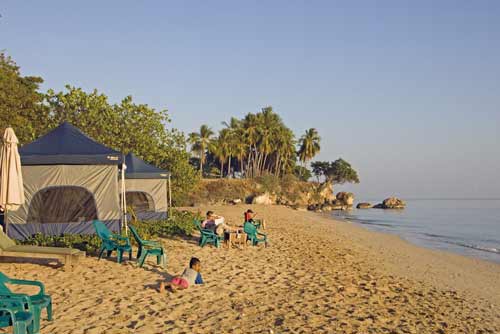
(263,199)
(391,203)
(345,198)
(363,206)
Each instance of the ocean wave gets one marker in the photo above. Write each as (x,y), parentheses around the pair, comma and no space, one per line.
(476,247)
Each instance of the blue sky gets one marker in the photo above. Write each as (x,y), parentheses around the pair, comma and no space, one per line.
(407,91)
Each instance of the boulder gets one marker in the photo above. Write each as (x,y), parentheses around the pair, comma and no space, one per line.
(312,207)
(345,198)
(262,199)
(235,201)
(391,203)
(363,206)
(326,207)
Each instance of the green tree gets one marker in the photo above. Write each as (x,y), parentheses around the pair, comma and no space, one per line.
(20,102)
(338,171)
(302,173)
(126,127)
(201,142)
(309,146)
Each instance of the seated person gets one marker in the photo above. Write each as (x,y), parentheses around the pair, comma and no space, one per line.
(250,217)
(215,223)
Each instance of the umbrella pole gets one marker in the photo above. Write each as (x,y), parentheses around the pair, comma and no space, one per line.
(124,201)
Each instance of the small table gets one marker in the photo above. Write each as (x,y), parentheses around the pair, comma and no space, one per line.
(237,239)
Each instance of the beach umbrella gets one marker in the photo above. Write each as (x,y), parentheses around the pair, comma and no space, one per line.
(11,179)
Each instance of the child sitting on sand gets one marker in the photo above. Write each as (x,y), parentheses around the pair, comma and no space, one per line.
(190,276)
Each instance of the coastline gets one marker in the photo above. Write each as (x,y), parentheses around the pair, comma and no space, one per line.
(319,275)
(445,269)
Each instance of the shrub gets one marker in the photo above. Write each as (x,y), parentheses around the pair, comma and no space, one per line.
(179,224)
(269,183)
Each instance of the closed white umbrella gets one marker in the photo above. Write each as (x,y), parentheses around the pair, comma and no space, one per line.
(11,178)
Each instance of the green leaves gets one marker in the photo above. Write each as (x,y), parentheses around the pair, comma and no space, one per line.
(338,171)
(125,126)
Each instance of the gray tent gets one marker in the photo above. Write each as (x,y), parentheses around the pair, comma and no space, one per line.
(69,180)
(146,189)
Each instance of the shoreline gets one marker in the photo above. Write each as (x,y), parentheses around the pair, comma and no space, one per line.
(442,268)
(354,222)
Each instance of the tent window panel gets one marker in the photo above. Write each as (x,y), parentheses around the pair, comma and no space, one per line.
(140,201)
(64,204)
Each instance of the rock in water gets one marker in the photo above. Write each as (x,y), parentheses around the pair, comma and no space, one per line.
(391,203)
(363,206)
(345,198)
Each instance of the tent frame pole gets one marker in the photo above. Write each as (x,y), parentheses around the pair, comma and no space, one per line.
(169,197)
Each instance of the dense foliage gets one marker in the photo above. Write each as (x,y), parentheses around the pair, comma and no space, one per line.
(338,171)
(256,145)
(180,224)
(125,126)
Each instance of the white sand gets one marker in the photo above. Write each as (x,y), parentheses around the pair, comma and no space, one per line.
(318,276)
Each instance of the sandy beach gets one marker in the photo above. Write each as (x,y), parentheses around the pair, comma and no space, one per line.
(317,276)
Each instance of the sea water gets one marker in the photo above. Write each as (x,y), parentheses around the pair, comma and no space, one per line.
(468,227)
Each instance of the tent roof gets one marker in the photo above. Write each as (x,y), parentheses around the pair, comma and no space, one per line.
(138,169)
(67,145)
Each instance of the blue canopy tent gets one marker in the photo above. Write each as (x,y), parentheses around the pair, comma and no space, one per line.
(146,189)
(69,180)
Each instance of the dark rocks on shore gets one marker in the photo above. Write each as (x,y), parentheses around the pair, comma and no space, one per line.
(391,203)
(364,206)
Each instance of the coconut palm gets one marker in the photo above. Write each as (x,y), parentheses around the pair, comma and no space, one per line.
(309,145)
(201,142)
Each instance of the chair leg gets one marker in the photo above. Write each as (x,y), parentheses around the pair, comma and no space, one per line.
(109,253)
(49,311)
(20,327)
(119,256)
(36,319)
(130,255)
(139,251)
(143,258)
(101,252)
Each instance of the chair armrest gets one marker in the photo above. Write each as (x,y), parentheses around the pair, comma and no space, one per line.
(28,282)
(9,311)
(22,298)
(262,234)
(208,232)
(151,243)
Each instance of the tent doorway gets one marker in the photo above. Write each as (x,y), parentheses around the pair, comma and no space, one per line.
(140,201)
(62,204)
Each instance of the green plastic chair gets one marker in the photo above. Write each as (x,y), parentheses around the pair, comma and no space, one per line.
(253,235)
(148,247)
(13,313)
(207,236)
(36,302)
(256,222)
(112,242)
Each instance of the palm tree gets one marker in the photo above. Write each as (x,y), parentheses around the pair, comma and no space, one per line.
(221,149)
(309,145)
(201,142)
(234,138)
